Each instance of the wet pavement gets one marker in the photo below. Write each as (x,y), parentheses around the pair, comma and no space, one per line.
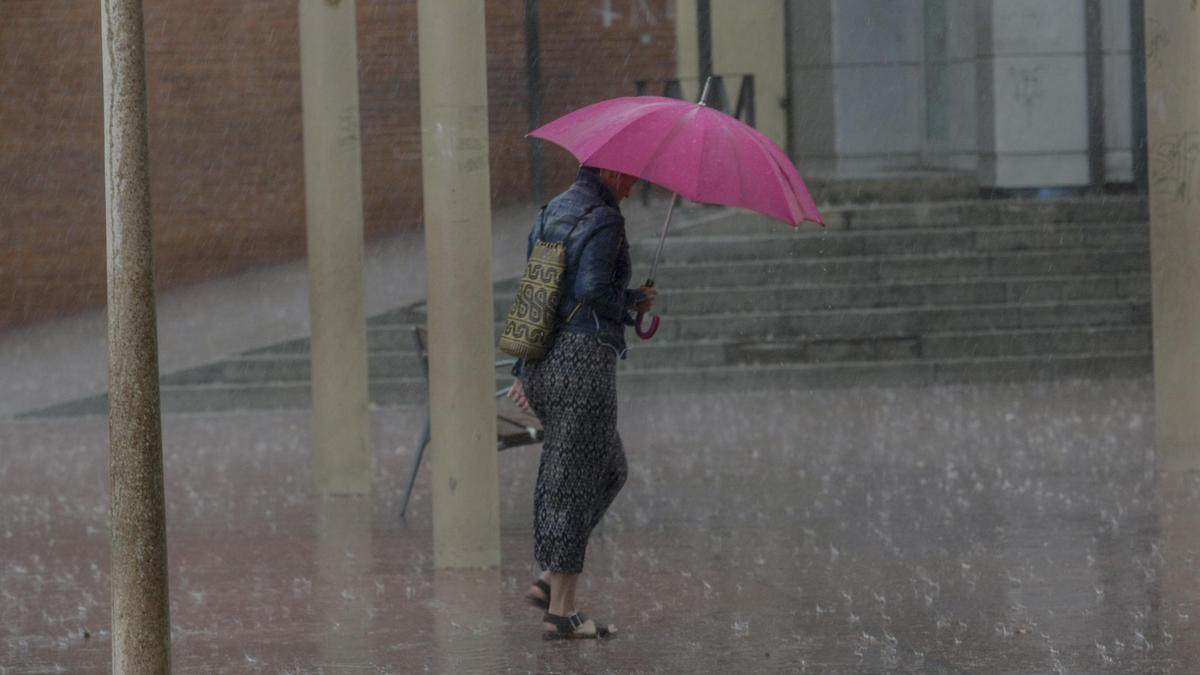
(997,528)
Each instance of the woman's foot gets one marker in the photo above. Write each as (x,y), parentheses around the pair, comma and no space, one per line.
(539,595)
(575,627)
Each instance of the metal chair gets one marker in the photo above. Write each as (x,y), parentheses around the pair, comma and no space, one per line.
(511,433)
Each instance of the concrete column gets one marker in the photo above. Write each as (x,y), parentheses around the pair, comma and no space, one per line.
(810,69)
(857,88)
(1172,50)
(458,250)
(469,609)
(333,198)
(1173,117)
(533,77)
(1120,92)
(1177,595)
(704,42)
(343,586)
(141,626)
(962,139)
(687,48)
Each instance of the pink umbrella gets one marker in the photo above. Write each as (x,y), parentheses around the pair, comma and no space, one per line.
(691,149)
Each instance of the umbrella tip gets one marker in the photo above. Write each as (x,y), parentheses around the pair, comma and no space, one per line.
(704,94)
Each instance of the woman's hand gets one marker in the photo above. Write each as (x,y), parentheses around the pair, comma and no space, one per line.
(651,293)
(516,393)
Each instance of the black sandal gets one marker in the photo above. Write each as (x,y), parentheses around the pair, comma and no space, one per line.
(541,603)
(566,628)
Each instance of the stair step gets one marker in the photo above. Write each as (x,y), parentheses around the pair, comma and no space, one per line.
(863,321)
(863,269)
(924,241)
(996,212)
(800,297)
(1034,342)
(889,187)
(895,372)
(904,321)
(860,321)
(223,397)
(950,214)
(263,369)
(908,372)
(288,368)
(958,344)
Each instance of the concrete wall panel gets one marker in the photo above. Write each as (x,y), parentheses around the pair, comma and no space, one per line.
(878,109)
(877,31)
(1035,27)
(964,122)
(1041,104)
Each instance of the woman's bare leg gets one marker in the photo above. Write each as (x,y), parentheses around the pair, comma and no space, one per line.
(562,602)
(562,593)
(536,592)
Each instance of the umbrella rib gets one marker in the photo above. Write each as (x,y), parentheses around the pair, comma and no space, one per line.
(741,174)
(781,175)
(723,130)
(768,147)
(792,175)
(704,145)
(676,129)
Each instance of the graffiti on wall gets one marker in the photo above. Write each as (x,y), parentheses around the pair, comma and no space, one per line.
(1173,166)
(1157,40)
(1026,85)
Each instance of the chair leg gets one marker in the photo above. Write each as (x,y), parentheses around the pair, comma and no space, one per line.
(416,467)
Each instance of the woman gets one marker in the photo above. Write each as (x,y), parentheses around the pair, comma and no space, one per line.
(573,390)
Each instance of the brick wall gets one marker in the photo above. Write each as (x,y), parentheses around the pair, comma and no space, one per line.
(225,129)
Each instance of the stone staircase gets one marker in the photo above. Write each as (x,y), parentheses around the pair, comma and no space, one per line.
(940,292)
(980,290)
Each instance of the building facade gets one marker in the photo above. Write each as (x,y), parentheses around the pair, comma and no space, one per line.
(1016,94)
(999,88)
(226,140)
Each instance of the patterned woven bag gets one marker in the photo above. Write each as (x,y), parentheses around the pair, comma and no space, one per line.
(532,320)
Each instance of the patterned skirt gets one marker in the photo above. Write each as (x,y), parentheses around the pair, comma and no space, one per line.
(573,391)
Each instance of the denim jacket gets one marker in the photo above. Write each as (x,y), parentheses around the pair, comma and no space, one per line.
(595,300)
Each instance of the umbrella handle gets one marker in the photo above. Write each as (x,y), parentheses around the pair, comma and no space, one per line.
(646,333)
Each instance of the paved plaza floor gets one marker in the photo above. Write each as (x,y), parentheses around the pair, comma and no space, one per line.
(991,528)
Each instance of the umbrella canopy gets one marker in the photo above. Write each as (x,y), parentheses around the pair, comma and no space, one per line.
(700,153)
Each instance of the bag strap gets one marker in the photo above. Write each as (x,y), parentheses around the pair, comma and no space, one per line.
(541,223)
